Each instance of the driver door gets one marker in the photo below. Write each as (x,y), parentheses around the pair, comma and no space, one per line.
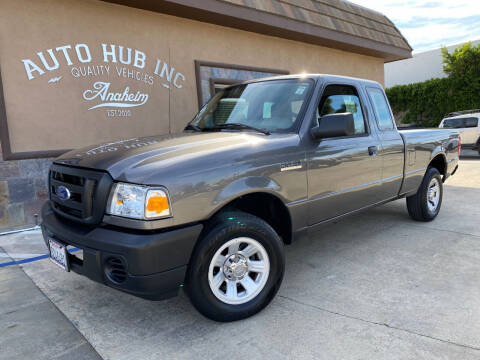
(344,173)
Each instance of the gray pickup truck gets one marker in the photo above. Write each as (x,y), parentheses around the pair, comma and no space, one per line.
(212,208)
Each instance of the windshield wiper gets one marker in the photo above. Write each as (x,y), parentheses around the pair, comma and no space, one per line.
(192,127)
(238,126)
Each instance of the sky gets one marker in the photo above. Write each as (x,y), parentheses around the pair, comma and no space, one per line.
(431,24)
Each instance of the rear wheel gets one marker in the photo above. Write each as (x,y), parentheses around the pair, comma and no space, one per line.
(425,204)
(236,268)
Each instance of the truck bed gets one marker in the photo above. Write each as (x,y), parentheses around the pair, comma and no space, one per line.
(421,146)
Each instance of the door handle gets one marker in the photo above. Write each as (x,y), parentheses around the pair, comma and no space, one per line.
(372,150)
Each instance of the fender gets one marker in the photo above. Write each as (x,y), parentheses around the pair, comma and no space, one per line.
(439,150)
(244,186)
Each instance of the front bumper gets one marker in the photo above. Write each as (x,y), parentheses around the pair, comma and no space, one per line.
(154,264)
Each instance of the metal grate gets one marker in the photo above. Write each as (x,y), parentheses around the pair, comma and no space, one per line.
(87,193)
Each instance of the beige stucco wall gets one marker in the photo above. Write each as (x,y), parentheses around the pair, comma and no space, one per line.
(45,115)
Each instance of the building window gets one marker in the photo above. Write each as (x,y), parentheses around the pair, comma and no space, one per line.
(213,77)
(217,84)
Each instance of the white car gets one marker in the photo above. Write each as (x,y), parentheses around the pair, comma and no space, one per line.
(468,124)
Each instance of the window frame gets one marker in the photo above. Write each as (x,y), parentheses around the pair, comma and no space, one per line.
(362,105)
(372,104)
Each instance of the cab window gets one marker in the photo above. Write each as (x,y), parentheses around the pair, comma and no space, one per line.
(338,99)
(382,111)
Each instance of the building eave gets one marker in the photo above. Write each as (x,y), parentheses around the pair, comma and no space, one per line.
(250,19)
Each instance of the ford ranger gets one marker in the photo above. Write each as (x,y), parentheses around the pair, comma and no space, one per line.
(211,209)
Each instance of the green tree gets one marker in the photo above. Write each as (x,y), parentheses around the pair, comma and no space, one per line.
(463,63)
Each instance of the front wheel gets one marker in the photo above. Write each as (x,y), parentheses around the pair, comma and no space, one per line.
(236,268)
(425,204)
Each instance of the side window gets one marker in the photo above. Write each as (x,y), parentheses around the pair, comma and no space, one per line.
(380,105)
(342,99)
(453,123)
(471,122)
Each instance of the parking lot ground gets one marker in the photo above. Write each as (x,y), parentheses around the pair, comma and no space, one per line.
(31,327)
(376,285)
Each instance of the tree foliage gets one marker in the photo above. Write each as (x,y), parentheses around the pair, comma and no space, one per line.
(426,103)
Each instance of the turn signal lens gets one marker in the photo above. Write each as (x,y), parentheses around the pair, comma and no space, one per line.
(459,145)
(138,202)
(156,204)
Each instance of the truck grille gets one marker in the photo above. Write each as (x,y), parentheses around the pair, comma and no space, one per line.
(78,194)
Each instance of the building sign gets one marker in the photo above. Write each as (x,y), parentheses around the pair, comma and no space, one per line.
(115,62)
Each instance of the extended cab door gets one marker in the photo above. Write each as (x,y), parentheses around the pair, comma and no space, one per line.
(392,149)
(344,173)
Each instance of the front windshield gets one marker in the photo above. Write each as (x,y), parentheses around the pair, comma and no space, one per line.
(273,106)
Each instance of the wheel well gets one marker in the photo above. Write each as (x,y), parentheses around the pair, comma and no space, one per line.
(439,163)
(268,208)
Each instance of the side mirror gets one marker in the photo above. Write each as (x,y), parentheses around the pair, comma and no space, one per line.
(334,125)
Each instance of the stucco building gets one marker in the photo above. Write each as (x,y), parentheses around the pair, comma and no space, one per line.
(75,73)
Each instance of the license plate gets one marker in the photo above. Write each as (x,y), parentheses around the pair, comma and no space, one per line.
(58,254)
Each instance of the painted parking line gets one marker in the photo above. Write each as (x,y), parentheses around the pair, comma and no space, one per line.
(19,255)
(32,259)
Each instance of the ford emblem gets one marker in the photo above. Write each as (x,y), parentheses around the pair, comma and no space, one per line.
(63,193)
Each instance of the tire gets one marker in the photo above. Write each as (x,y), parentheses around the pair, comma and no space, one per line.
(422,206)
(217,291)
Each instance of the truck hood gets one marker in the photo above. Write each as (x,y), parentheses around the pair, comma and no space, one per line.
(134,159)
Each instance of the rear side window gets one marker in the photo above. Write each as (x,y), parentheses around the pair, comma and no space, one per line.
(471,122)
(342,99)
(380,106)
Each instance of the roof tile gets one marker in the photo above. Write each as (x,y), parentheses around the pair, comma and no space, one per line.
(336,15)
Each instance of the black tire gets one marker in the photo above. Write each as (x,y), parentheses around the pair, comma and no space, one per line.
(218,231)
(417,204)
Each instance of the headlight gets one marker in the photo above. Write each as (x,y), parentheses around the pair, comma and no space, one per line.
(138,202)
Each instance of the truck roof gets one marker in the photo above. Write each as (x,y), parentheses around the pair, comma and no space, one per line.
(463,114)
(323,77)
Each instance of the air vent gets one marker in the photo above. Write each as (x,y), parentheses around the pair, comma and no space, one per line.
(115,270)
